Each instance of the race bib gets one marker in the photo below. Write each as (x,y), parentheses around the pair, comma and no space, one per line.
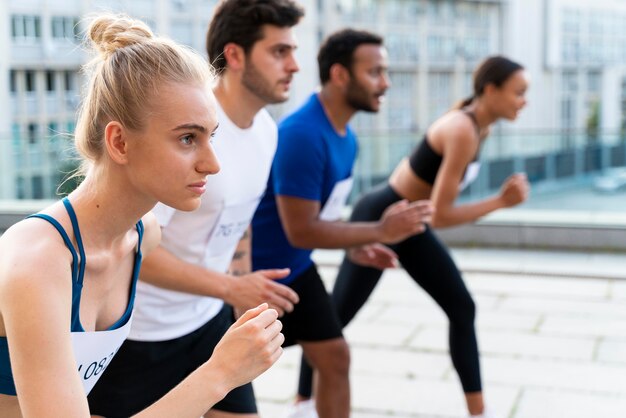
(470,174)
(94,351)
(230,227)
(337,200)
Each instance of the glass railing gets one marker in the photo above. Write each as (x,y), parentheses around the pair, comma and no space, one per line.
(567,170)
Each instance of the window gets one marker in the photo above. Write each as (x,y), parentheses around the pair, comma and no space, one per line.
(593,81)
(16,138)
(70,79)
(20,187)
(32,133)
(64,27)
(182,32)
(53,128)
(25,27)
(37,187)
(439,94)
(30,80)
(50,81)
(401,106)
(13,81)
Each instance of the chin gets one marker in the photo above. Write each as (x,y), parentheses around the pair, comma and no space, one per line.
(191,205)
(280,98)
(185,205)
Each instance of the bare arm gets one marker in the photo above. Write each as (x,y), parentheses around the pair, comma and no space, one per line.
(249,347)
(242,260)
(164,269)
(304,229)
(460,147)
(35,303)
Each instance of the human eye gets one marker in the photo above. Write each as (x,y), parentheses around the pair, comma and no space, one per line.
(282,51)
(187,139)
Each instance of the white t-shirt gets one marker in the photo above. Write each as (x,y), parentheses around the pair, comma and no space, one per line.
(209,235)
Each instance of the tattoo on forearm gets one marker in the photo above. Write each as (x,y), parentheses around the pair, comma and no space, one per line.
(239,255)
(237,272)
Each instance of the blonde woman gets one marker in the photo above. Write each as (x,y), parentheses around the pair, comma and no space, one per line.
(68,273)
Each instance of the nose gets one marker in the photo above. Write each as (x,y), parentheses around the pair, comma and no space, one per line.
(207,161)
(292,64)
(385,81)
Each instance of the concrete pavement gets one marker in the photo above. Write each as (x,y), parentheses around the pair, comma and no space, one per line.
(551,329)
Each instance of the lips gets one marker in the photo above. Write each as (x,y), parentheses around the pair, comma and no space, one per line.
(198,187)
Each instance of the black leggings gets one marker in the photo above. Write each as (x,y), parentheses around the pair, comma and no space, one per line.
(427,260)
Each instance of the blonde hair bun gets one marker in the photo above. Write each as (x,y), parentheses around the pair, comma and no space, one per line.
(111,32)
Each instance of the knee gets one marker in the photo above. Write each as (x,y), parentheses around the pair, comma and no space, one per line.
(464,311)
(335,360)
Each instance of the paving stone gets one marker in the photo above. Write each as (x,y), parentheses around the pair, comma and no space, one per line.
(400,363)
(612,351)
(577,308)
(372,334)
(512,344)
(589,327)
(609,379)
(420,397)
(524,285)
(554,403)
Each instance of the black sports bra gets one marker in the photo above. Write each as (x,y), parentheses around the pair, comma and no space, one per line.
(425,162)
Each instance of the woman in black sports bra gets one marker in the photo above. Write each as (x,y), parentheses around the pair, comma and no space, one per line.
(441,164)
(68,274)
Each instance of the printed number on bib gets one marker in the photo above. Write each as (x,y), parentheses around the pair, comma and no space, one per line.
(94,351)
(230,227)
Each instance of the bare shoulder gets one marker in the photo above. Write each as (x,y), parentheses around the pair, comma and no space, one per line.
(456,133)
(33,261)
(152,233)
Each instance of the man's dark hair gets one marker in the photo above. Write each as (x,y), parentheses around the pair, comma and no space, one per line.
(241,22)
(339,48)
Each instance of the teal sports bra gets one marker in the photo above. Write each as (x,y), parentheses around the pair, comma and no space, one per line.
(93,349)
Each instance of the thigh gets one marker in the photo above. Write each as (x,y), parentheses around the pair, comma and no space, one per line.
(314,318)
(355,283)
(327,355)
(353,287)
(430,265)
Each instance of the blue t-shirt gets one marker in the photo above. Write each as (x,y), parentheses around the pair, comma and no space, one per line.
(310,160)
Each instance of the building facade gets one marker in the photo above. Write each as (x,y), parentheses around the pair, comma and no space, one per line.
(574,51)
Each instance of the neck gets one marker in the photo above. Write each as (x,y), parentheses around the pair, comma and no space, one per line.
(108,209)
(484,116)
(338,111)
(239,103)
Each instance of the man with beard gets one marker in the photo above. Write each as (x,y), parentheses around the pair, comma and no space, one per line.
(180,314)
(310,181)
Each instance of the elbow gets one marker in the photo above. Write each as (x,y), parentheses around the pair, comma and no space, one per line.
(439,220)
(299,239)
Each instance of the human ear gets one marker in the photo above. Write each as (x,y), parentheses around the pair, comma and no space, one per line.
(116,142)
(234,55)
(339,74)
(490,88)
